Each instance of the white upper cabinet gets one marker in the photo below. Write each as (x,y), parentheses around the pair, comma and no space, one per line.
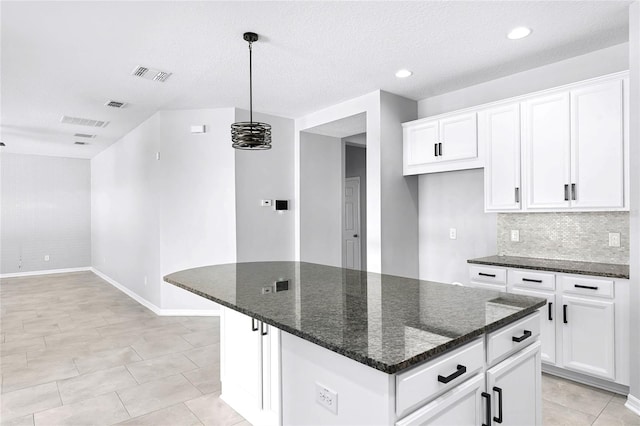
(499,132)
(438,145)
(546,157)
(597,146)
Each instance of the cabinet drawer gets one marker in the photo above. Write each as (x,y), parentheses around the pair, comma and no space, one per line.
(421,384)
(510,339)
(587,286)
(541,280)
(488,274)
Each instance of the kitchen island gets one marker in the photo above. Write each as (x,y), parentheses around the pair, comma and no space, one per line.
(304,343)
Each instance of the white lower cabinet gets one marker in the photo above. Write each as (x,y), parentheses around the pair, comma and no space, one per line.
(588,330)
(547,323)
(249,367)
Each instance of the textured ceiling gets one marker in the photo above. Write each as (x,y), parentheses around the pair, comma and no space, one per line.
(69,58)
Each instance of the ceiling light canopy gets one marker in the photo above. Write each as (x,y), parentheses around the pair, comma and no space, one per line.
(518,33)
(403,73)
(249,134)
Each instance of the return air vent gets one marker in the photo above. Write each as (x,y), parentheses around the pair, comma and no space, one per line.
(116,104)
(80,143)
(83,135)
(83,121)
(151,74)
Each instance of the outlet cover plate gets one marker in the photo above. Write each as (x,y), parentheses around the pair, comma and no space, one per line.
(614,239)
(327,398)
(515,235)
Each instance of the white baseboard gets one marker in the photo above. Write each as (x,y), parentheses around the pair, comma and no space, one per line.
(585,379)
(46,272)
(633,404)
(154,308)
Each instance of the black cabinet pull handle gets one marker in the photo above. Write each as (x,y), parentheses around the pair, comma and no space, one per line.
(440,149)
(588,287)
(264,331)
(550,304)
(573,191)
(499,391)
(460,370)
(566,192)
(564,314)
(254,327)
(487,275)
(435,149)
(517,195)
(488,396)
(526,335)
(529,280)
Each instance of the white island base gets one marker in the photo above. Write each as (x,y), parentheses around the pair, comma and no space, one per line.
(275,378)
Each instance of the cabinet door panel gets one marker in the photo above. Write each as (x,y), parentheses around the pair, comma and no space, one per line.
(421,142)
(515,385)
(547,323)
(546,158)
(499,128)
(597,146)
(588,342)
(459,137)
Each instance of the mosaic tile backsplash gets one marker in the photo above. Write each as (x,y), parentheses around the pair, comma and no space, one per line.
(567,236)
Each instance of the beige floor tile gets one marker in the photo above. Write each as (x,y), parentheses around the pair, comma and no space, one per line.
(38,373)
(13,362)
(175,415)
(212,411)
(157,394)
(615,413)
(29,400)
(106,359)
(102,410)
(90,385)
(201,323)
(558,415)
(202,338)
(154,347)
(19,421)
(22,346)
(207,380)
(206,356)
(82,336)
(156,368)
(575,395)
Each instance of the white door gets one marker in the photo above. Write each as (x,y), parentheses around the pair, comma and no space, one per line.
(422,143)
(351,224)
(597,146)
(461,406)
(588,332)
(241,368)
(515,388)
(499,129)
(546,158)
(459,137)
(547,323)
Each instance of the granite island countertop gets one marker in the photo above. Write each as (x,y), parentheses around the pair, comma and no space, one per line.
(386,322)
(610,270)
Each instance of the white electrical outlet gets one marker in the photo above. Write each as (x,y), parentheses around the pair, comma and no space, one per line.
(614,239)
(453,233)
(515,235)
(327,398)
(265,203)
(46,257)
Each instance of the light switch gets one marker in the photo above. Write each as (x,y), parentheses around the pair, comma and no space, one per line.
(265,203)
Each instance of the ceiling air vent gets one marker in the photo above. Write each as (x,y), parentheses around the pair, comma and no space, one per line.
(83,135)
(83,121)
(80,143)
(116,104)
(151,74)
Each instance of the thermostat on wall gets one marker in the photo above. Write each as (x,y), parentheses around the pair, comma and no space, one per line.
(282,205)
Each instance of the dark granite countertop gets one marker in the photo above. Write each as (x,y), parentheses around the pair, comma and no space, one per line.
(386,322)
(610,270)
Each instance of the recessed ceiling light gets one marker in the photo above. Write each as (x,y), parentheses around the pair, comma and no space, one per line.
(403,73)
(518,33)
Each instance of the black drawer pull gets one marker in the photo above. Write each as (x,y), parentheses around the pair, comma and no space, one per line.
(499,418)
(588,287)
(254,327)
(460,370)
(486,275)
(526,334)
(550,304)
(264,331)
(530,280)
(488,396)
(564,314)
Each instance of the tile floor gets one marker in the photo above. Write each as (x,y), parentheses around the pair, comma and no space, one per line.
(76,351)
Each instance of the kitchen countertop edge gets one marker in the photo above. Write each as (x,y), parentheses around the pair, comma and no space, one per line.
(553,265)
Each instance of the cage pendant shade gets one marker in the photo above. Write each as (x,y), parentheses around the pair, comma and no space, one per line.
(250,134)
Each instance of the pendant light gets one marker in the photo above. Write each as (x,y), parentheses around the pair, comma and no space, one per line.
(250,134)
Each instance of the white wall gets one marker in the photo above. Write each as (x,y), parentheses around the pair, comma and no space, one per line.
(593,64)
(261,232)
(46,210)
(321,178)
(451,200)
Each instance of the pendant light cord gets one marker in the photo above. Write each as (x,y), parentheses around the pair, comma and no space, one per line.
(250,86)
